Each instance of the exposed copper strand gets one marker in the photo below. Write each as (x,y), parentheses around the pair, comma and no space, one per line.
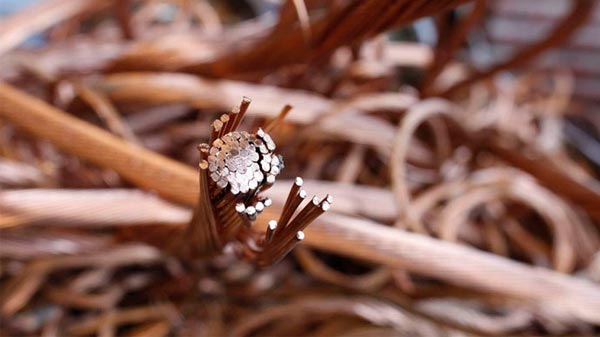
(283,235)
(240,116)
(279,254)
(313,210)
(225,120)
(288,209)
(216,129)
(288,212)
(232,117)
(270,230)
(280,117)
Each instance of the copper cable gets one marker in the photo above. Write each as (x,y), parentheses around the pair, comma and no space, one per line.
(344,235)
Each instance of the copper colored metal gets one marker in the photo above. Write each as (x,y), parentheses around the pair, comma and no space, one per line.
(234,168)
(291,203)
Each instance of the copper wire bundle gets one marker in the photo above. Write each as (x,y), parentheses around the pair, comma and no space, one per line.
(235,167)
(466,196)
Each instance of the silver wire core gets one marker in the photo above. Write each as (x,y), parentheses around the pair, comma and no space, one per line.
(243,161)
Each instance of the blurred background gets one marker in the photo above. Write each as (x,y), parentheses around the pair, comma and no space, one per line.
(459,139)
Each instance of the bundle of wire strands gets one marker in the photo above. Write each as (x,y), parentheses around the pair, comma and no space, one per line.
(235,168)
(466,205)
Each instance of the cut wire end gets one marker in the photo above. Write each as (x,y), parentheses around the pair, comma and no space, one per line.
(235,167)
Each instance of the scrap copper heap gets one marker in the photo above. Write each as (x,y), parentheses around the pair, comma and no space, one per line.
(235,168)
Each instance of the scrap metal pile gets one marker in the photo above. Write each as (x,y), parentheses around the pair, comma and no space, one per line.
(417,194)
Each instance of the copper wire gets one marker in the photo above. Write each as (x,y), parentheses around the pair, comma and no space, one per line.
(234,168)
